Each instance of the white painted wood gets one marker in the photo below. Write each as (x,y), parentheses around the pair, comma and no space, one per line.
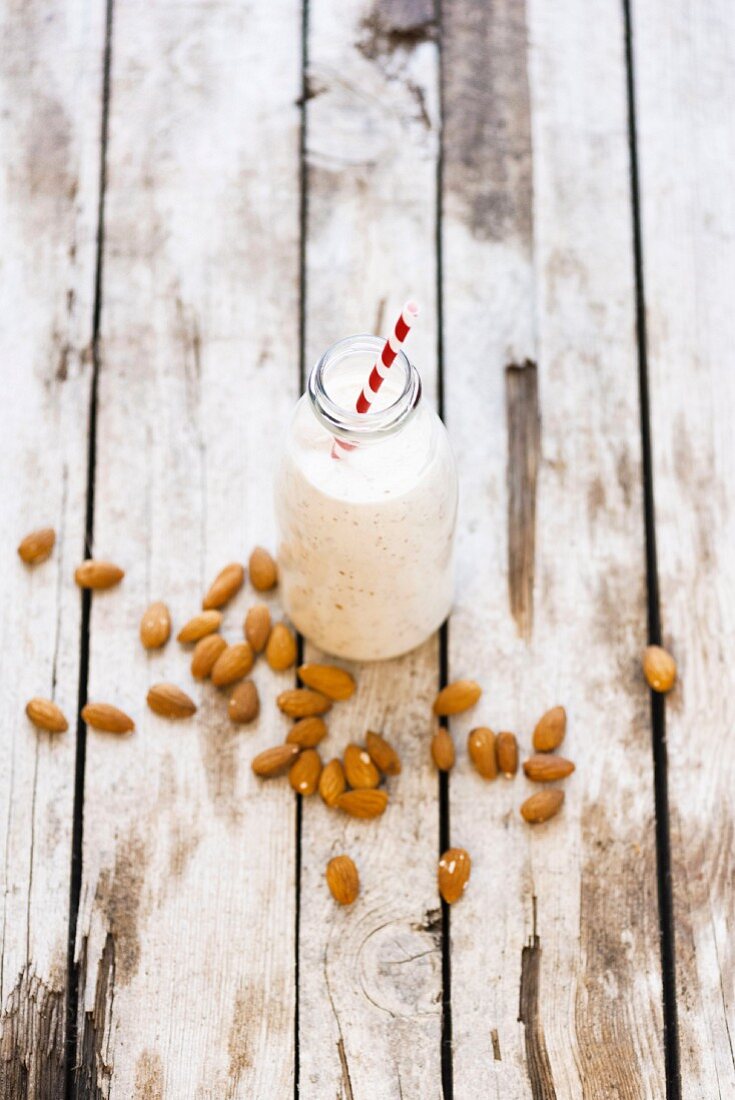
(49,85)
(186,934)
(550,282)
(685,77)
(370,976)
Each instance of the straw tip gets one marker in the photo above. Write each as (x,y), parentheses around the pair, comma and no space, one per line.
(412,308)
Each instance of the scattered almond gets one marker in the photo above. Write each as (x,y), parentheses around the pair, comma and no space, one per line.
(333,682)
(545,767)
(332,782)
(275,760)
(46,715)
(305,771)
(382,754)
(540,807)
(456,697)
(258,626)
(263,570)
(442,749)
(98,574)
(206,653)
(364,803)
(233,663)
(307,733)
(359,768)
(244,704)
(506,753)
(206,622)
(481,749)
(343,880)
(453,874)
(37,546)
(659,669)
(103,716)
(170,701)
(303,703)
(155,626)
(550,730)
(224,586)
(280,652)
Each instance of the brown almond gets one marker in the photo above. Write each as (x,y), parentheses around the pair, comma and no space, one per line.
(481,749)
(332,782)
(442,749)
(206,653)
(364,803)
(155,626)
(506,753)
(456,697)
(103,716)
(545,767)
(659,669)
(543,805)
(550,730)
(233,663)
(244,704)
(170,701)
(280,652)
(305,771)
(257,627)
(382,754)
(359,768)
(206,622)
(98,574)
(275,760)
(453,874)
(303,703)
(224,586)
(37,546)
(307,733)
(46,715)
(335,683)
(343,880)
(263,570)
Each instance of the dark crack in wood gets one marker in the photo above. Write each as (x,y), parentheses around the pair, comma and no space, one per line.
(92,1073)
(524,446)
(537,1058)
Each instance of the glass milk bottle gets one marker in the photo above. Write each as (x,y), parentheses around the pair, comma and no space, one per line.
(366,528)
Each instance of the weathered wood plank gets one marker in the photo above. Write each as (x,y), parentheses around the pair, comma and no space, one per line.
(559,924)
(186,932)
(50,85)
(685,79)
(370,977)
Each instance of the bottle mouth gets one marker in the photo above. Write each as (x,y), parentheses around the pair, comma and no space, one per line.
(343,420)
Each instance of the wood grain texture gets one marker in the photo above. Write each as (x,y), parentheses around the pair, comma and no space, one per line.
(186,933)
(559,923)
(685,79)
(50,80)
(370,976)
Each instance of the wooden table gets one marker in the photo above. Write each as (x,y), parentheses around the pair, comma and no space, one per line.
(197,199)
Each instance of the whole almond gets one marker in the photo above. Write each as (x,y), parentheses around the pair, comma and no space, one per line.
(382,754)
(37,546)
(103,716)
(481,749)
(359,768)
(305,771)
(46,715)
(170,701)
(263,570)
(275,760)
(280,652)
(206,622)
(343,880)
(456,697)
(550,730)
(155,626)
(540,807)
(307,733)
(332,782)
(364,803)
(659,669)
(333,682)
(224,586)
(545,767)
(442,749)
(98,574)
(244,704)
(258,626)
(506,753)
(206,653)
(453,874)
(233,663)
(303,703)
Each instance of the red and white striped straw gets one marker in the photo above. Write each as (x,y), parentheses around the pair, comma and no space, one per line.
(382,365)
